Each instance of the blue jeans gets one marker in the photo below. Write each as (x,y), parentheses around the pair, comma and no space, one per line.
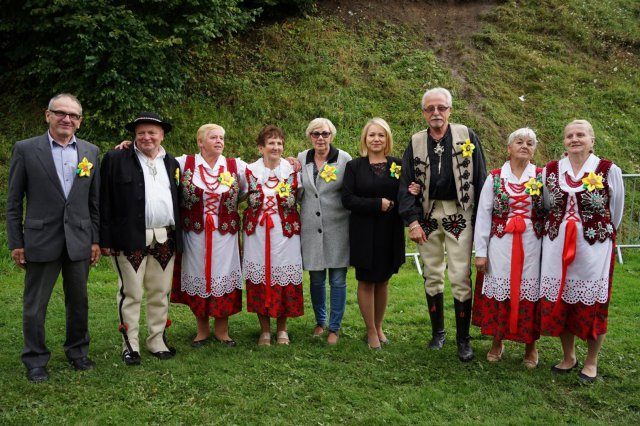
(338,296)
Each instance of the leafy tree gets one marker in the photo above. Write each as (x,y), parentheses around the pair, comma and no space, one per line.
(118,57)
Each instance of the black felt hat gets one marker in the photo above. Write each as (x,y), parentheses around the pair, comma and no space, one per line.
(147,117)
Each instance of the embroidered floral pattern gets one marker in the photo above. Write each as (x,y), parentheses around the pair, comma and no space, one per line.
(84,168)
(454,224)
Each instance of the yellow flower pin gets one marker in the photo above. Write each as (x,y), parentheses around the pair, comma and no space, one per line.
(225,178)
(283,189)
(592,182)
(328,173)
(467,148)
(84,167)
(177,175)
(533,187)
(395,170)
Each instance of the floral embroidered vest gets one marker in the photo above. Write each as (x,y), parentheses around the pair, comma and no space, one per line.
(287,210)
(500,214)
(462,167)
(593,206)
(192,204)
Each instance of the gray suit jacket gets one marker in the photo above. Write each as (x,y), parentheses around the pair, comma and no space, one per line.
(52,223)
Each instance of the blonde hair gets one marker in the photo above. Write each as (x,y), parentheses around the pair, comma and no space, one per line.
(363,137)
(206,128)
(584,123)
(525,132)
(320,122)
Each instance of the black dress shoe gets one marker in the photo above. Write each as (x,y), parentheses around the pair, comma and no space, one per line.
(164,355)
(131,357)
(82,364)
(558,370)
(200,343)
(230,343)
(37,374)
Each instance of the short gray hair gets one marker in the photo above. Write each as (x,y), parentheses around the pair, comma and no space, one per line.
(440,91)
(525,132)
(320,122)
(64,95)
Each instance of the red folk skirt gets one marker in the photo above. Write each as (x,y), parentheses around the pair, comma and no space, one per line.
(216,307)
(492,316)
(283,301)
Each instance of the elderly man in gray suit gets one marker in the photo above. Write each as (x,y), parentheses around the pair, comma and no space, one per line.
(59,175)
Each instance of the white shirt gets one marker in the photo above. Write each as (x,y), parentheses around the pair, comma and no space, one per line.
(158,207)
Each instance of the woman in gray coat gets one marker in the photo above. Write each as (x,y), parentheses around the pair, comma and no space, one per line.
(325,225)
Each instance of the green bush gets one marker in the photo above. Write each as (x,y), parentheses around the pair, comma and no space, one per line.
(118,57)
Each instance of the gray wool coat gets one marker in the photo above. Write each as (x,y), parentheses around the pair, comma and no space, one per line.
(325,222)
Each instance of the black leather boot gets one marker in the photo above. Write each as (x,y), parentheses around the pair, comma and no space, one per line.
(463,320)
(436,313)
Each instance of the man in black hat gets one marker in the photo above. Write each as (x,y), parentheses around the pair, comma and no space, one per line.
(141,231)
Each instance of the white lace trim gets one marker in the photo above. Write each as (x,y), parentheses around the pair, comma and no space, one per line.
(588,292)
(498,288)
(195,285)
(280,275)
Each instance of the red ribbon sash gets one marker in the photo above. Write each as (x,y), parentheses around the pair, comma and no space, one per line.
(268,224)
(568,255)
(515,226)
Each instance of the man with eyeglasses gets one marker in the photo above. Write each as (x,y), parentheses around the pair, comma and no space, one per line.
(442,174)
(59,175)
(140,229)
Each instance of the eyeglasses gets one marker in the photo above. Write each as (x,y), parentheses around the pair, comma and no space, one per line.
(431,108)
(316,135)
(62,115)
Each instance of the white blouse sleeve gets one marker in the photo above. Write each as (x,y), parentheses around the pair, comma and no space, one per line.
(483,218)
(241,167)
(616,195)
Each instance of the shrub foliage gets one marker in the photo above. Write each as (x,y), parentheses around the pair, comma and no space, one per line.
(116,56)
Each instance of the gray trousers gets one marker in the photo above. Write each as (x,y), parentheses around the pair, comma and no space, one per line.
(39,281)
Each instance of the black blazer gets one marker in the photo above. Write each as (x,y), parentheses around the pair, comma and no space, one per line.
(122,198)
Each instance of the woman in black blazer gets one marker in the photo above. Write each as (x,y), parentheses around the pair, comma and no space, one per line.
(376,231)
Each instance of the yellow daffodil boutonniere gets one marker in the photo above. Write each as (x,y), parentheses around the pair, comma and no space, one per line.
(395,170)
(533,187)
(177,175)
(84,167)
(329,173)
(467,148)
(592,182)
(283,189)
(225,178)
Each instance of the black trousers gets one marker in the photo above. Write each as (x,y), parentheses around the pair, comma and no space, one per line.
(39,281)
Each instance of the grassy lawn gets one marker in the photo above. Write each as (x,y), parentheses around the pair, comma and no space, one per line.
(311,383)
